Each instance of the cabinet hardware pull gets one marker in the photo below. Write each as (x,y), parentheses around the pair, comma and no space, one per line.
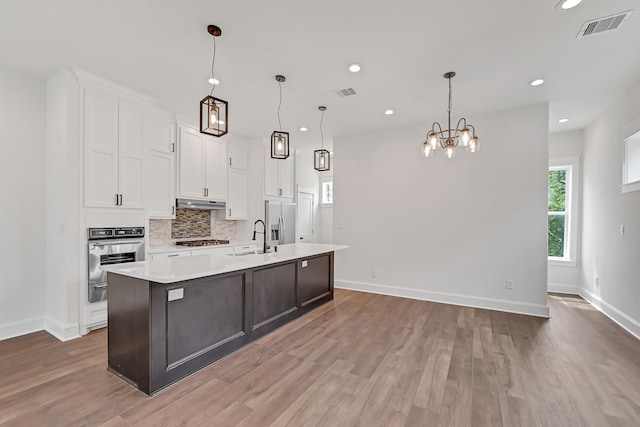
(279,191)
(230,162)
(173,147)
(172,255)
(229,212)
(121,200)
(116,202)
(173,210)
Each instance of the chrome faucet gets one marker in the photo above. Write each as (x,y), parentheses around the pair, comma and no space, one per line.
(265,247)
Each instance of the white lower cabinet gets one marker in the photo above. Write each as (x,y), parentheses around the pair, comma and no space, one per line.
(165,255)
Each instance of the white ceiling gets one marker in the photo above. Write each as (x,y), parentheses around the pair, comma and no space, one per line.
(162,48)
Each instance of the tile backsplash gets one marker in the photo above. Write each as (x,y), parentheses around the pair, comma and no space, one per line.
(191,224)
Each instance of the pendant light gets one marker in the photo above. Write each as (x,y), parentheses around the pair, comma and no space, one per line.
(280,139)
(213,111)
(448,139)
(322,157)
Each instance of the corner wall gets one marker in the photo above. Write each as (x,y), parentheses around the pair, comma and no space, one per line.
(444,230)
(22,180)
(610,273)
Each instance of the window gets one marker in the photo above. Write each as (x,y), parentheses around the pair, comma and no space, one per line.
(562,210)
(557,226)
(326,197)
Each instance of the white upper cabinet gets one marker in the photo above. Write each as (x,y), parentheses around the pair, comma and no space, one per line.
(160,134)
(278,175)
(237,204)
(114,150)
(202,170)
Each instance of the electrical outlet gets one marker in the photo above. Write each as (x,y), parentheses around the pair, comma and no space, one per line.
(508,284)
(622,230)
(374,273)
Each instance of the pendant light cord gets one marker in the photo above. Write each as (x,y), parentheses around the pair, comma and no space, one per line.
(213,61)
(321,134)
(280,105)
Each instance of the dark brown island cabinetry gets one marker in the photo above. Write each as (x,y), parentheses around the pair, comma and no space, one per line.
(160,333)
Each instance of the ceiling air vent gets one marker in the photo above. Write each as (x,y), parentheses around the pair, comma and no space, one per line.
(345,92)
(601,25)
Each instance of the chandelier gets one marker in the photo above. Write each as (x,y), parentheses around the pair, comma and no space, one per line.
(280,139)
(213,111)
(322,157)
(449,139)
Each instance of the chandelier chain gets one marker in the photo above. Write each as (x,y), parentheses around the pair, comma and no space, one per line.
(450,96)
(213,61)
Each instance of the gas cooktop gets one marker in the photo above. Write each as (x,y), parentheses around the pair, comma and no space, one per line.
(202,242)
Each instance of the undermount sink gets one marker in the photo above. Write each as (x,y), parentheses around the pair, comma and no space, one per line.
(254,252)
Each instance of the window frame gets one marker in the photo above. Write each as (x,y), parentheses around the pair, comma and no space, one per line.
(572,165)
(323,181)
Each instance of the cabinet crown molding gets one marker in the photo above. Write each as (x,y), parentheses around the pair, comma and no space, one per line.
(89,79)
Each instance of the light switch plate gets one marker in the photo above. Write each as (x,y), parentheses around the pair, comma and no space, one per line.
(175,294)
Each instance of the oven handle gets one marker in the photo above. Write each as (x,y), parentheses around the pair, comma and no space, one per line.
(113,242)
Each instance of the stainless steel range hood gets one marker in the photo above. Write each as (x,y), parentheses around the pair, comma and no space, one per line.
(199,204)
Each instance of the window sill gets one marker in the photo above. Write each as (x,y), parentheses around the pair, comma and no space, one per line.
(326,205)
(561,263)
(632,186)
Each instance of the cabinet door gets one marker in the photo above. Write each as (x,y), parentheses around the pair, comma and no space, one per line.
(271,187)
(160,195)
(160,134)
(285,177)
(191,164)
(101,148)
(215,169)
(314,279)
(237,198)
(131,154)
(237,156)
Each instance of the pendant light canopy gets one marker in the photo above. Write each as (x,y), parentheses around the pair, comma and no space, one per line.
(322,157)
(448,139)
(280,139)
(214,111)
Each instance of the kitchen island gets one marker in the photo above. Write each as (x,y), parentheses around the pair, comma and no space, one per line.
(169,318)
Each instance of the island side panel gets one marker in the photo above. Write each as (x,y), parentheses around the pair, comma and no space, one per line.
(128,330)
(315,279)
(196,322)
(274,295)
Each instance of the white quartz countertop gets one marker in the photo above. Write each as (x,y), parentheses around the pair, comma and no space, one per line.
(172,270)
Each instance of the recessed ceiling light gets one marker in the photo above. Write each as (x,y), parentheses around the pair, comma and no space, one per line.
(354,68)
(388,112)
(536,82)
(568,4)
(565,120)
(303,129)
(213,81)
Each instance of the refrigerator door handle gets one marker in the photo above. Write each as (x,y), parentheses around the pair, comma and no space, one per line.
(282,230)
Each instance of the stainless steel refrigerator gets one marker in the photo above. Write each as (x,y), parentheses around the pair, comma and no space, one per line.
(280,218)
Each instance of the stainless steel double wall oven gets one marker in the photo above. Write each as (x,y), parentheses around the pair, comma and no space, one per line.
(111,246)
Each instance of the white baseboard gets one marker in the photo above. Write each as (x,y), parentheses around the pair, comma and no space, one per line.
(15,329)
(623,320)
(560,288)
(538,310)
(61,331)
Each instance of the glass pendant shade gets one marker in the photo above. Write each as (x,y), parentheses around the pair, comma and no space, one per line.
(213,116)
(465,137)
(450,149)
(427,151)
(322,160)
(279,145)
(474,145)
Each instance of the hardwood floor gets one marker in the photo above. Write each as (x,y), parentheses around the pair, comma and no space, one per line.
(361,360)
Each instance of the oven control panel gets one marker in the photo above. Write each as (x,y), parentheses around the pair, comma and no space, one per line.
(115,233)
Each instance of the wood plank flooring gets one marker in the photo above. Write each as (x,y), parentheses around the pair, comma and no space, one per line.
(361,360)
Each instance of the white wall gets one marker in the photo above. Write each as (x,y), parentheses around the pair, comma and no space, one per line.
(22,224)
(566,277)
(606,254)
(62,206)
(447,230)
